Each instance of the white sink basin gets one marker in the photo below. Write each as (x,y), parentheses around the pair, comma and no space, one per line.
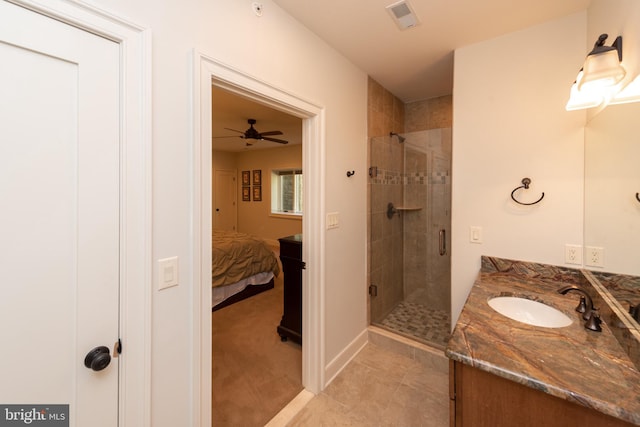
(530,312)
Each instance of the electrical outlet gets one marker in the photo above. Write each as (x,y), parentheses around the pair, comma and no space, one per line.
(573,254)
(595,256)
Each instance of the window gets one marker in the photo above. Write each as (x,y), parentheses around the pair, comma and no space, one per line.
(286,191)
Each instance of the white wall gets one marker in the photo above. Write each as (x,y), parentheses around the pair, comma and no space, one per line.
(278,50)
(509,122)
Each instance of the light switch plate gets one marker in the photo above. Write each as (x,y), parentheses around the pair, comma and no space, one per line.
(475,234)
(333,220)
(167,272)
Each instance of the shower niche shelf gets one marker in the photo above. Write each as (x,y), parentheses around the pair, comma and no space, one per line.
(392,210)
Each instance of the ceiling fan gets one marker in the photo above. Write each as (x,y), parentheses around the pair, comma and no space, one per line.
(252,133)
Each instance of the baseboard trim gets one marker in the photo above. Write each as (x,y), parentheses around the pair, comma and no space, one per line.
(334,367)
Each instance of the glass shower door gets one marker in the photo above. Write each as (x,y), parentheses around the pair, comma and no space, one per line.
(386,230)
(410,221)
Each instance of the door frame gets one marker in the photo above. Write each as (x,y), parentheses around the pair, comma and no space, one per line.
(134,394)
(207,72)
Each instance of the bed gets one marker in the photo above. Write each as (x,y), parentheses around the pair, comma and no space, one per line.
(242,266)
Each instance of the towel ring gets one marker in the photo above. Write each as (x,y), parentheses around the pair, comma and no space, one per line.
(638,197)
(525,184)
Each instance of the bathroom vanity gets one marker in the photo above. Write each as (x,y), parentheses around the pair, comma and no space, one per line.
(506,373)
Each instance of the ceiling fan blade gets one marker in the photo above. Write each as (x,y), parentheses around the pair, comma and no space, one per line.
(271,132)
(228,136)
(239,131)
(279,141)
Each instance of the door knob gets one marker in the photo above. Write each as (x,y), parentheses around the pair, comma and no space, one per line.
(98,358)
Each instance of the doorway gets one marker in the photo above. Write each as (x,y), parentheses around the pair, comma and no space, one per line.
(208,72)
(255,373)
(225,196)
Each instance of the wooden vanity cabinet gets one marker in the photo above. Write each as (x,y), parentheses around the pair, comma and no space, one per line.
(481,399)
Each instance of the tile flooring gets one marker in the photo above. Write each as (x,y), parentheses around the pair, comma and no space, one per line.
(415,320)
(391,382)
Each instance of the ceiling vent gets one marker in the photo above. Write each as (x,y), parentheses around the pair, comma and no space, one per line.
(403,14)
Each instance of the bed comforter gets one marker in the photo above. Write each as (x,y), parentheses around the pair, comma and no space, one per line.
(237,256)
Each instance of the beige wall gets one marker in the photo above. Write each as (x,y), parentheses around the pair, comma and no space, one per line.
(255,217)
(224,160)
(228,32)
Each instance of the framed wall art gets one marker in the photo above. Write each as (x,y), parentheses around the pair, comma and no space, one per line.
(246,194)
(257,177)
(246,178)
(257,193)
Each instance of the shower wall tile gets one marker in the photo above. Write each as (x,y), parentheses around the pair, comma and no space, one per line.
(385,257)
(398,116)
(375,98)
(415,114)
(377,222)
(385,112)
(429,114)
(440,112)
(424,276)
(377,254)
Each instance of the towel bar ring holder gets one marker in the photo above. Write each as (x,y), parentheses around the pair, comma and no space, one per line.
(525,184)
(638,197)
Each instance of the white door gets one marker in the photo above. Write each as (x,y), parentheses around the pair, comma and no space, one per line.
(59,234)
(225,195)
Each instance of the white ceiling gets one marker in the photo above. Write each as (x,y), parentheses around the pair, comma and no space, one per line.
(417,63)
(413,64)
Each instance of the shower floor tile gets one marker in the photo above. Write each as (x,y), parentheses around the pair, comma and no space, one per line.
(420,322)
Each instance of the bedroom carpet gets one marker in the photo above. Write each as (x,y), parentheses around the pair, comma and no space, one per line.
(255,375)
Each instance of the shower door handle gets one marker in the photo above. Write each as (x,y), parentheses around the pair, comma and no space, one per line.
(443,242)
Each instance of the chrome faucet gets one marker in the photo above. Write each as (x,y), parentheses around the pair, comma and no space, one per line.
(589,313)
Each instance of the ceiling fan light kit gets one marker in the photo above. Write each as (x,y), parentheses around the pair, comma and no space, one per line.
(252,133)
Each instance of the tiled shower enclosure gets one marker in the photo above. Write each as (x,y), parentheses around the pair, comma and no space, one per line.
(409,242)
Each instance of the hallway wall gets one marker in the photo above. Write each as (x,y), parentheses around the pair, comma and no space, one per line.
(275,49)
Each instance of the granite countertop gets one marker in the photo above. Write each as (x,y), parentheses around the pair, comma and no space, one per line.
(572,363)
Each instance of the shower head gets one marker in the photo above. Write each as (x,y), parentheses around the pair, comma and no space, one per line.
(400,137)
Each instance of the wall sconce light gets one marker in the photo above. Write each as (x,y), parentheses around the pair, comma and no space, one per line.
(598,80)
